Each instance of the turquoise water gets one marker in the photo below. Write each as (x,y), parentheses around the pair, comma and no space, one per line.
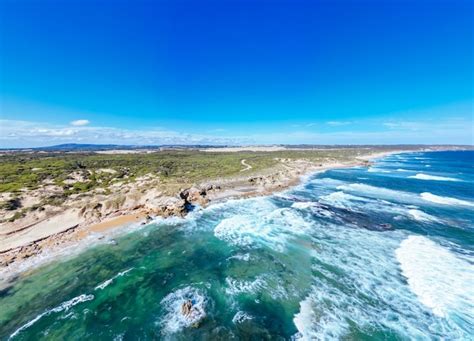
(354,254)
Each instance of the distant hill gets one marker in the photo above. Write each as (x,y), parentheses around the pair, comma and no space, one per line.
(78,147)
(101,147)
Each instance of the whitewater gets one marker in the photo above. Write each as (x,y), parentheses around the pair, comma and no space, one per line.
(384,252)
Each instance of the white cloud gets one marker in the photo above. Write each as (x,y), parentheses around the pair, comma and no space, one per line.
(80,123)
(33,134)
(454,130)
(338,123)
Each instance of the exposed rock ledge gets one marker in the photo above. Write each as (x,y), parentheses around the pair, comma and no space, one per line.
(70,225)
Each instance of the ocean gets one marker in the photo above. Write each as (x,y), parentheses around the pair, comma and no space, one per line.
(384,252)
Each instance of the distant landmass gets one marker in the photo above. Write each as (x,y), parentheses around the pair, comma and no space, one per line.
(89,147)
(101,147)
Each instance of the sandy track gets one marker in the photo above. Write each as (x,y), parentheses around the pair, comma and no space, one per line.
(246,165)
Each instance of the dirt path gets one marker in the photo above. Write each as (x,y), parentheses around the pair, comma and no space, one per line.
(246,165)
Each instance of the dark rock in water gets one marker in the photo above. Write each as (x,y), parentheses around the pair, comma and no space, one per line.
(386,226)
(361,220)
(148,219)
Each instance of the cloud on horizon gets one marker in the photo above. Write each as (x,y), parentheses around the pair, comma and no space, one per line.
(338,123)
(15,133)
(80,123)
(34,134)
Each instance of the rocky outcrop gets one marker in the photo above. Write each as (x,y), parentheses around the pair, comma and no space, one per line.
(166,206)
(194,196)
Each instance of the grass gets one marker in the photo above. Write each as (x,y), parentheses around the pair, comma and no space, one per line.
(30,170)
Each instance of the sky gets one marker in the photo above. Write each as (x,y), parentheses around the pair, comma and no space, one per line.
(236,72)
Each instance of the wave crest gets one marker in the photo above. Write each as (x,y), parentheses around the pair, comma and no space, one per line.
(445,200)
(441,280)
(423,176)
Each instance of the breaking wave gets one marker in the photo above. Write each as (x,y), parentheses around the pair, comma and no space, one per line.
(422,176)
(422,216)
(241,316)
(441,280)
(272,228)
(377,192)
(106,283)
(377,170)
(65,306)
(235,286)
(445,200)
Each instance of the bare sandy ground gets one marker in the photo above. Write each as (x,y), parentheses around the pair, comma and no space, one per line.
(117,221)
(265,149)
(125,151)
(50,226)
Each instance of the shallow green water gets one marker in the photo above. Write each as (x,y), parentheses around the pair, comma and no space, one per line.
(159,260)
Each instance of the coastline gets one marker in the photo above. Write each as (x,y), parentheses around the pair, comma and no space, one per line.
(17,260)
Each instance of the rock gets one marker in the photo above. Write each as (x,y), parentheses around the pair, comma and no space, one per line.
(194,195)
(7,258)
(385,226)
(166,206)
(210,187)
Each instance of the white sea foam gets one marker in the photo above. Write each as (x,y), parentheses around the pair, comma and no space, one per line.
(445,200)
(173,319)
(237,230)
(329,182)
(241,316)
(422,176)
(422,216)
(241,256)
(342,200)
(235,286)
(370,293)
(377,170)
(110,280)
(314,207)
(303,205)
(377,192)
(304,320)
(403,170)
(441,280)
(360,204)
(65,306)
(268,226)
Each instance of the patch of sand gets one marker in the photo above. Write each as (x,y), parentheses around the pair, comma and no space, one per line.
(245,148)
(43,229)
(116,222)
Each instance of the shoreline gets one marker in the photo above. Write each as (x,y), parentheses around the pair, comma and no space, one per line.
(50,248)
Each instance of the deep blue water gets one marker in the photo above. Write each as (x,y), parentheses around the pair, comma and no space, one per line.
(355,254)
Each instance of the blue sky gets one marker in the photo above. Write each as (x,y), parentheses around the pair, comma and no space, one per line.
(236,72)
